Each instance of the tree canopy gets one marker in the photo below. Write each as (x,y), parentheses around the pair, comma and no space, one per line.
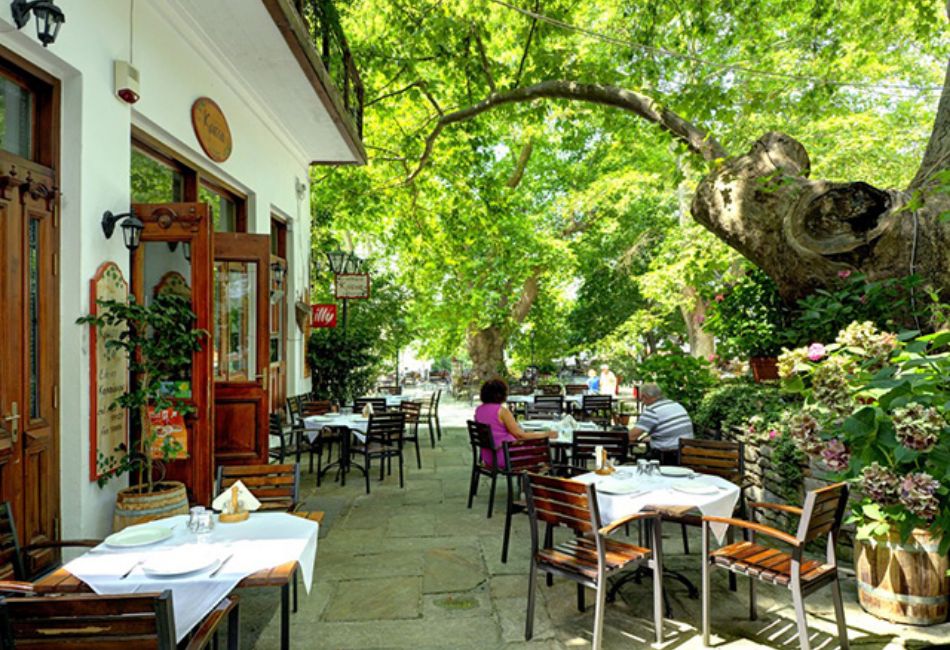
(532,162)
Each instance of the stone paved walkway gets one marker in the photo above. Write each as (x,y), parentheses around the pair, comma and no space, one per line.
(414,568)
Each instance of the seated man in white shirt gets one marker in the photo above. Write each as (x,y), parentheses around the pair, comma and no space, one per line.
(662,423)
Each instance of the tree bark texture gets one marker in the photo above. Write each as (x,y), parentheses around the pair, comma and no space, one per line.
(486,347)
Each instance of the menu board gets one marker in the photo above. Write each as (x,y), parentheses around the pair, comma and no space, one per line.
(168,423)
(109,374)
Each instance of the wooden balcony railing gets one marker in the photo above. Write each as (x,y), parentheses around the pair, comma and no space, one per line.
(323,22)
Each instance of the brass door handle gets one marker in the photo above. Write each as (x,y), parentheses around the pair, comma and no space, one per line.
(13,418)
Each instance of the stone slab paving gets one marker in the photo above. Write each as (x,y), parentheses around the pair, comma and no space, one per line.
(415,568)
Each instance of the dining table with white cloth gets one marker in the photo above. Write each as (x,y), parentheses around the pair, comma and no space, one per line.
(355,422)
(628,491)
(232,551)
(576,400)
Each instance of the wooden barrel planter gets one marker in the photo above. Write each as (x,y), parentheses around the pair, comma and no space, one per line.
(134,507)
(903,582)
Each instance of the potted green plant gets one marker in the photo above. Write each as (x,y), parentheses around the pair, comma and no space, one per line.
(749,319)
(876,414)
(158,340)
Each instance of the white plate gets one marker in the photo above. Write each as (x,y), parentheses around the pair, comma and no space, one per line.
(184,560)
(132,537)
(697,488)
(617,487)
(673,470)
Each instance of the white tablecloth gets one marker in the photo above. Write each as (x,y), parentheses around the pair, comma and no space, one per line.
(576,400)
(264,541)
(356,423)
(656,490)
(565,433)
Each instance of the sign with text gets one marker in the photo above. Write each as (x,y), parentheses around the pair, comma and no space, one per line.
(323,316)
(352,285)
(211,129)
(109,375)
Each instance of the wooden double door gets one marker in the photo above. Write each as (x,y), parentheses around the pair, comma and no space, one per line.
(29,352)
(226,275)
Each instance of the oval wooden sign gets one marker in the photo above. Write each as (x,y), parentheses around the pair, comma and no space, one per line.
(211,128)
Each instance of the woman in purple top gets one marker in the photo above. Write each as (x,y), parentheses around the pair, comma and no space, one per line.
(504,427)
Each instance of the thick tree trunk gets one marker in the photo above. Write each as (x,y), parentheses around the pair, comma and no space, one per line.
(486,347)
(702,344)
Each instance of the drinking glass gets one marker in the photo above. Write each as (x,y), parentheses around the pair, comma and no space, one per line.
(194,517)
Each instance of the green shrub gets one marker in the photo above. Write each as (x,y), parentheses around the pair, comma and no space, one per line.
(343,364)
(735,403)
(683,378)
(748,317)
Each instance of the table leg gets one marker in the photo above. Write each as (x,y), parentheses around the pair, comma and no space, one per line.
(285,617)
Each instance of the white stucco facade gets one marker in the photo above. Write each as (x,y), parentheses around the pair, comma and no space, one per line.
(178,62)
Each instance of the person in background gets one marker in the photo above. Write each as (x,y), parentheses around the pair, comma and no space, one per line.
(608,381)
(504,427)
(662,423)
(593,382)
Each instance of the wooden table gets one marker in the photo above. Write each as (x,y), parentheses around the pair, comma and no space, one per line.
(62,581)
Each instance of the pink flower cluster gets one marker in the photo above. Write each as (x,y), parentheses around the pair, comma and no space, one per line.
(836,455)
(918,495)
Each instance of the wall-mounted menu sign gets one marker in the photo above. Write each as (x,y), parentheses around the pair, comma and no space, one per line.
(211,129)
(352,285)
(109,374)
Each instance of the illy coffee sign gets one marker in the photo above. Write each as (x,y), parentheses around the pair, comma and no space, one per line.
(323,316)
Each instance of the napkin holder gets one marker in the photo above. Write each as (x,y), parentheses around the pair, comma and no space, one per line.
(236,514)
(603,467)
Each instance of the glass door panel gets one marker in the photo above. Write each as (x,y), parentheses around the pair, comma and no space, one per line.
(235,321)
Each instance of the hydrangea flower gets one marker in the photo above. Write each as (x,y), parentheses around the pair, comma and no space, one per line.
(869,342)
(805,428)
(917,495)
(791,361)
(844,274)
(917,426)
(830,385)
(836,455)
(880,484)
(816,352)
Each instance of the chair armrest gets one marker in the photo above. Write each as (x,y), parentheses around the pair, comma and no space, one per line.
(614,525)
(794,510)
(206,629)
(89,543)
(16,587)
(759,528)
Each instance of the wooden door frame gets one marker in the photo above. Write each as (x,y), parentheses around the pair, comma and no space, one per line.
(188,222)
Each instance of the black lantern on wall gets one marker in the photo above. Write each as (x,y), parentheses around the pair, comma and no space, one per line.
(131,225)
(49,18)
(338,261)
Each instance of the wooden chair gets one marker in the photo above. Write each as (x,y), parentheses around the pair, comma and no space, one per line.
(480,437)
(521,456)
(597,408)
(551,390)
(546,407)
(384,441)
(33,560)
(277,487)
(94,622)
(820,517)
(389,389)
(379,404)
(591,557)
(413,412)
(575,389)
(615,443)
(718,457)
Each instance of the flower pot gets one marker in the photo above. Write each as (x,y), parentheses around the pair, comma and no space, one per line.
(623,418)
(134,507)
(764,368)
(903,582)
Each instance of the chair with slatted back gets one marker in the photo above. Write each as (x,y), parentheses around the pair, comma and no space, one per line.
(575,389)
(389,389)
(94,622)
(384,441)
(379,404)
(413,412)
(718,457)
(277,487)
(521,456)
(597,408)
(591,557)
(820,517)
(615,443)
(435,413)
(545,407)
(550,390)
(284,437)
(480,439)
(29,561)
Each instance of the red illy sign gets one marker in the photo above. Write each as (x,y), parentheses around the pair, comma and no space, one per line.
(323,316)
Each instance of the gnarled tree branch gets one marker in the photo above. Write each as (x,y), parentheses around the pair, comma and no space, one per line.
(518,172)
(695,138)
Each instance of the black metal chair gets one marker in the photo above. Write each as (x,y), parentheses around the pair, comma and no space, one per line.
(384,441)
(378,403)
(598,409)
(550,390)
(615,444)
(545,407)
(480,437)
(429,413)
(412,410)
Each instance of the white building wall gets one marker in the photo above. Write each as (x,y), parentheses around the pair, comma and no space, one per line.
(94,177)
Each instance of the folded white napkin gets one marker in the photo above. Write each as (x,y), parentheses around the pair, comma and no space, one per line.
(367,409)
(246,500)
(568,422)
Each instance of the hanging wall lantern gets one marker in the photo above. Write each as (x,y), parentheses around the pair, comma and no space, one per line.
(131,225)
(49,18)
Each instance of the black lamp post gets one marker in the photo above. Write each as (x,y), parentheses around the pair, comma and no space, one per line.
(342,262)
(131,225)
(49,18)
